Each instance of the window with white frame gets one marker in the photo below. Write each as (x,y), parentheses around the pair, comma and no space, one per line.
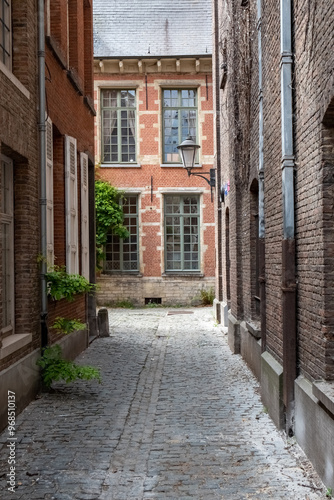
(179,108)
(84,216)
(7,243)
(5,33)
(182,233)
(71,205)
(118,119)
(49,194)
(122,254)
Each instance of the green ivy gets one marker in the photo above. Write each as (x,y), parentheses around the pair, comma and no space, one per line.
(63,285)
(67,326)
(109,215)
(55,367)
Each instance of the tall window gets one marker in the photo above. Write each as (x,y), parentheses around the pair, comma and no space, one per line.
(5,33)
(182,223)
(118,126)
(179,120)
(71,205)
(7,237)
(122,254)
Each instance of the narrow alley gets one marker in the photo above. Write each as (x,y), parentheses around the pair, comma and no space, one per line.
(177,416)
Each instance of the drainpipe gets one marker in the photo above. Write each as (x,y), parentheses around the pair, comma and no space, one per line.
(42,138)
(262,254)
(218,162)
(288,243)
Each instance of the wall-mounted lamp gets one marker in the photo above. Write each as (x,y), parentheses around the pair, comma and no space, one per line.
(188,150)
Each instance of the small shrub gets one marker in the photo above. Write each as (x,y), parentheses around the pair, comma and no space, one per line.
(63,285)
(124,304)
(207,296)
(67,326)
(55,367)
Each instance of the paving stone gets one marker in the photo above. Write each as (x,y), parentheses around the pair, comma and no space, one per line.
(177,416)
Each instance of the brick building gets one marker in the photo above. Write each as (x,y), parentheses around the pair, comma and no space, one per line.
(153,87)
(274,96)
(63,140)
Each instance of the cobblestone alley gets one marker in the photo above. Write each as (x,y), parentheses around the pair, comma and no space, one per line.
(176,417)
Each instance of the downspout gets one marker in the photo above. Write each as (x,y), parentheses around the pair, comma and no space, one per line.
(288,243)
(42,144)
(262,254)
(219,209)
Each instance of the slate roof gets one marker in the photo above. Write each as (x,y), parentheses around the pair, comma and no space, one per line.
(138,28)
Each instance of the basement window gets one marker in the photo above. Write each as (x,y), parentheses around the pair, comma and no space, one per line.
(152,300)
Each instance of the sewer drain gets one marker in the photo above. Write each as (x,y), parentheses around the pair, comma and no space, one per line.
(173,313)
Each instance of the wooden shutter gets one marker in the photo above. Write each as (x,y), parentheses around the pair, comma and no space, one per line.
(49,194)
(84,216)
(71,205)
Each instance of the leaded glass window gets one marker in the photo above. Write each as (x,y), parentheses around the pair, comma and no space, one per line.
(182,224)
(118,115)
(122,253)
(5,33)
(179,121)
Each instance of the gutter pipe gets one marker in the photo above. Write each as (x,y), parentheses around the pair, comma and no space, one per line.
(219,205)
(288,242)
(42,145)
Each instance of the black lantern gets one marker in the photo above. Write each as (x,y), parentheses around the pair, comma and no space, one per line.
(188,150)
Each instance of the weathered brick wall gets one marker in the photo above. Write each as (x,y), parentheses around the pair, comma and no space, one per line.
(149,155)
(18,141)
(69,82)
(314,85)
(173,291)
(238,141)
(272,173)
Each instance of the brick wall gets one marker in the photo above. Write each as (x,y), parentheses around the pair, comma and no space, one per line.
(152,182)
(313,88)
(18,141)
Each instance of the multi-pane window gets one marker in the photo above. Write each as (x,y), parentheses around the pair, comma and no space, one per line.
(182,224)
(7,244)
(122,253)
(118,114)
(5,32)
(179,120)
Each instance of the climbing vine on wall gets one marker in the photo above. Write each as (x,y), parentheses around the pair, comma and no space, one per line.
(109,215)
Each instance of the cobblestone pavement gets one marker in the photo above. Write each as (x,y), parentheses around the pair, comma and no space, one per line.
(176,417)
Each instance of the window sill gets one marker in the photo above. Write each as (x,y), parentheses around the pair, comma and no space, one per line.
(178,165)
(324,391)
(14,343)
(120,165)
(122,273)
(14,80)
(182,274)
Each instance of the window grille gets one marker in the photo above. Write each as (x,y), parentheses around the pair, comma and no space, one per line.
(179,121)
(5,33)
(122,255)
(118,115)
(182,224)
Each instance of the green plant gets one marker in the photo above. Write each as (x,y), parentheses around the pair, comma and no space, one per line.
(67,326)
(329,492)
(207,296)
(124,304)
(63,285)
(55,367)
(109,216)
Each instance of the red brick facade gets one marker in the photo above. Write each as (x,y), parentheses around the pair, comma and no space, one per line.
(151,180)
(69,89)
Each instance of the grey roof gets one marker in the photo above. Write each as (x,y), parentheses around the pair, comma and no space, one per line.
(138,28)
